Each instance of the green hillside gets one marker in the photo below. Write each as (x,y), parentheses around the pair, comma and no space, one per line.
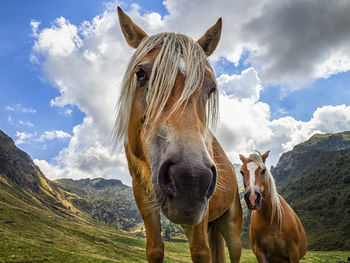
(314,178)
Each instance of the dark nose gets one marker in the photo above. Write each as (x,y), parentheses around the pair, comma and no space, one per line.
(258,199)
(257,202)
(246,199)
(194,180)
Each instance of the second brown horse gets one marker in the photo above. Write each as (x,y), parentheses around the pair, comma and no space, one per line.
(276,233)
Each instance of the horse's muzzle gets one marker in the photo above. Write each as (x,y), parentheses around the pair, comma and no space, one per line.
(186,187)
(257,202)
(179,178)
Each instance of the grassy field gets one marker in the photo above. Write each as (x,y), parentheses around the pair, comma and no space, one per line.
(29,232)
(26,236)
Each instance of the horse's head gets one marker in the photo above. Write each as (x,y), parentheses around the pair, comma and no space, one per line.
(168,97)
(254,175)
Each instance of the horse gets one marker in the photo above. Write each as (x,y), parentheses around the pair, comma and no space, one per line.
(276,233)
(166,108)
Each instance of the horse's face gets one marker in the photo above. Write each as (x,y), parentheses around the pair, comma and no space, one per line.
(183,172)
(177,147)
(254,181)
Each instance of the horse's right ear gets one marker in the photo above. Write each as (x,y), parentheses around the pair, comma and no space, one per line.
(132,32)
(243,158)
(265,155)
(210,39)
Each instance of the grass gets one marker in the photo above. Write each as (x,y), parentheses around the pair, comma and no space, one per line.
(29,232)
(25,237)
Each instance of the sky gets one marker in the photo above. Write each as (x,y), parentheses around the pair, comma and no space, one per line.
(282,67)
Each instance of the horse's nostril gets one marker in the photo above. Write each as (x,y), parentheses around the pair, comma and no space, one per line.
(258,199)
(212,185)
(165,181)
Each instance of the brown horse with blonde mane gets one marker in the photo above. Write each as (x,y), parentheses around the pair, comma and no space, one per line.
(167,103)
(276,233)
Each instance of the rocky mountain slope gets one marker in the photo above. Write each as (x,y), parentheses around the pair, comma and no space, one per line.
(21,179)
(314,178)
(108,201)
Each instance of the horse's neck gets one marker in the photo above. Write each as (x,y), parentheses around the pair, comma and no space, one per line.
(266,205)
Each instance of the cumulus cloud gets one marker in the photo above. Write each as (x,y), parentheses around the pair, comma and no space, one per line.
(86,63)
(247,85)
(300,40)
(88,155)
(23,137)
(50,135)
(246,125)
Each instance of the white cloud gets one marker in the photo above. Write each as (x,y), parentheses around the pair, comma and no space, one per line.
(59,40)
(9,108)
(86,64)
(68,112)
(28,110)
(20,108)
(246,125)
(88,155)
(10,119)
(50,135)
(51,171)
(23,137)
(35,25)
(25,123)
(244,86)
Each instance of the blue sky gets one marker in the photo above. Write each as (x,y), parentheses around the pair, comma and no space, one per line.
(29,85)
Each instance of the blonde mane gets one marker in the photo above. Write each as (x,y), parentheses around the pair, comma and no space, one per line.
(275,201)
(171,47)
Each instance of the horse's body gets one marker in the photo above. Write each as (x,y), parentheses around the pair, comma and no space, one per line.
(276,233)
(177,165)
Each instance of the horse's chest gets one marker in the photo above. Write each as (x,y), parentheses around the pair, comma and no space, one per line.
(273,246)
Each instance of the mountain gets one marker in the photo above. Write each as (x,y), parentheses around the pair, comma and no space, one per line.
(108,201)
(314,178)
(20,177)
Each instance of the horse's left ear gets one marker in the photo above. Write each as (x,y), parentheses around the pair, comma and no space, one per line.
(265,155)
(243,158)
(210,39)
(132,32)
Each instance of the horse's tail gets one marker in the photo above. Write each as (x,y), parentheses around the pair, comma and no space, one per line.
(217,245)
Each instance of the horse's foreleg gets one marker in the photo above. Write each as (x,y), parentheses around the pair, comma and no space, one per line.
(293,254)
(230,225)
(259,254)
(151,220)
(198,240)
(155,246)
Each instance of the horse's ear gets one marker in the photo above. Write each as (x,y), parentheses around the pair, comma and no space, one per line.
(265,155)
(243,158)
(210,39)
(132,32)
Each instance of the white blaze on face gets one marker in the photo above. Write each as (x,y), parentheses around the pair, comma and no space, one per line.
(251,168)
(182,66)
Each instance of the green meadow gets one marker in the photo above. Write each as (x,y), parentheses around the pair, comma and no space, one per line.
(31,234)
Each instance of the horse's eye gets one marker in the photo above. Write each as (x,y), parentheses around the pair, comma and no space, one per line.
(242,173)
(140,74)
(263,171)
(213,89)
